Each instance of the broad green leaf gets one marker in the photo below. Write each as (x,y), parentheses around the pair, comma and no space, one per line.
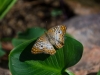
(23,62)
(31,33)
(5,6)
(98,73)
(28,34)
(69,72)
(16,41)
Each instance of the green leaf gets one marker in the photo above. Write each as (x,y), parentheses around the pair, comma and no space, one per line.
(2,52)
(69,72)
(6,39)
(23,62)
(28,34)
(98,73)
(56,12)
(5,6)
(31,33)
(16,41)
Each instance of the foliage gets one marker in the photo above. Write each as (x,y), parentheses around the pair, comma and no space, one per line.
(23,62)
(98,73)
(5,6)
(2,52)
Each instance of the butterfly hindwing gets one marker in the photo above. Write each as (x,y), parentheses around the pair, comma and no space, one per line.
(56,35)
(43,45)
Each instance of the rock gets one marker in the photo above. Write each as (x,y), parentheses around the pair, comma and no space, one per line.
(4,72)
(82,7)
(86,29)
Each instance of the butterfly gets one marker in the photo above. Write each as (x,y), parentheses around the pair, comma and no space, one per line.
(53,37)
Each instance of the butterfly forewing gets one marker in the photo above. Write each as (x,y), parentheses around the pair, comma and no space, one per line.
(43,45)
(56,35)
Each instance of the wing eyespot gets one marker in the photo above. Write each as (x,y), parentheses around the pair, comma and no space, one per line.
(41,45)
(59,32)
(53,37)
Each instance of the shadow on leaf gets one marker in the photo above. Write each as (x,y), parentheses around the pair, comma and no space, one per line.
(27,55)
(65,73)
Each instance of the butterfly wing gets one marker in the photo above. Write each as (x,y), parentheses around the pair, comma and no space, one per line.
(56,35)
(43,45)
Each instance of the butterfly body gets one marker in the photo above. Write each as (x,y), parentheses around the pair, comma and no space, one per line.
(53,37)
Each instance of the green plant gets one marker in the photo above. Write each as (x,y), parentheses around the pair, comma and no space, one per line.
(5,6)
(98,73)
(2,52)
(23,62)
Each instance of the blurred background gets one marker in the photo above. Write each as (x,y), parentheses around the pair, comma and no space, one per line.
(82,18)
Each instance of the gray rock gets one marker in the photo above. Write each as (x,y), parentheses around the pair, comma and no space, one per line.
(86,29)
